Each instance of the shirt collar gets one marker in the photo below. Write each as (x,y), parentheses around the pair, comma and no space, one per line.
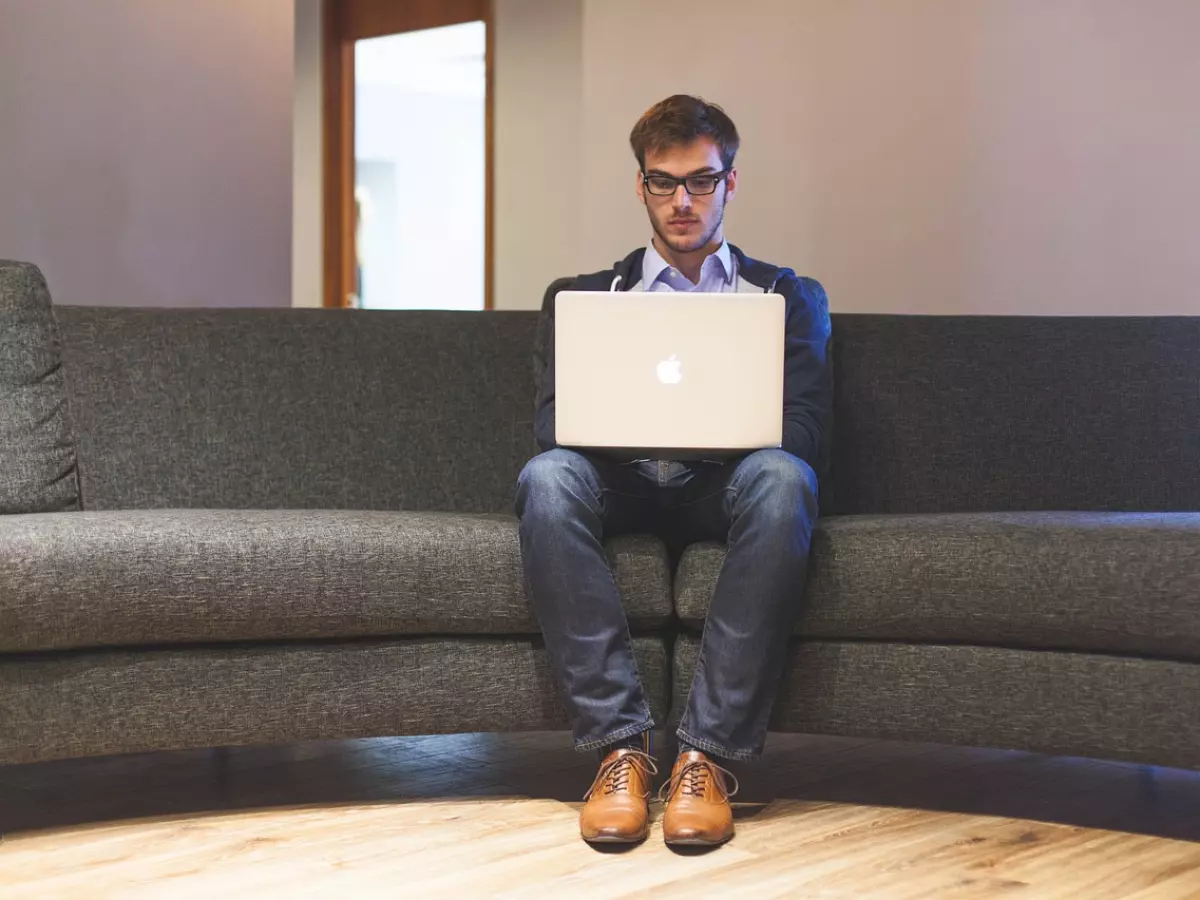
(653,265)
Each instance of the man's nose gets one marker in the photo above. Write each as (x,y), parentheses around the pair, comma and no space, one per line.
(683,200)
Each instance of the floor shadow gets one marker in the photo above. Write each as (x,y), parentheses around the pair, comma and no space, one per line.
(1083,793)
(743,812)
(614,849)
(694,850)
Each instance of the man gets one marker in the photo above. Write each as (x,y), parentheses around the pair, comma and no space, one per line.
(763,505)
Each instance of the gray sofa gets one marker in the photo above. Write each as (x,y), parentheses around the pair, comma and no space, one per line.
(248,526)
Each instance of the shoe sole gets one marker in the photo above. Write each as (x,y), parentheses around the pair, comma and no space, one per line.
(603,839)
(696,842)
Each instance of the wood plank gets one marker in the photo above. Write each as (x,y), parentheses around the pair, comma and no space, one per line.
(434,816)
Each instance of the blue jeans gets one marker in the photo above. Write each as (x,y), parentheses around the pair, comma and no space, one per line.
(763,505)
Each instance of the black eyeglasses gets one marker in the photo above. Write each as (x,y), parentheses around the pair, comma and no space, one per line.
(666,185)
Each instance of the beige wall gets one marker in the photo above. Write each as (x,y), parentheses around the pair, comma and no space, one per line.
(925,156)
(146,147)
(307,160)
(538,134)
(915,155)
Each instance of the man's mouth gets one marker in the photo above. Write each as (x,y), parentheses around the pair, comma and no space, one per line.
(682,223)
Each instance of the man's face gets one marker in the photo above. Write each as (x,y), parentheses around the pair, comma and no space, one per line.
(687,222)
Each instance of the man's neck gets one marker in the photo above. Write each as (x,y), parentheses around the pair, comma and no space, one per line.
(692,262)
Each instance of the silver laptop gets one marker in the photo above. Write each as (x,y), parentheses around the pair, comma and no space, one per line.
(669,375)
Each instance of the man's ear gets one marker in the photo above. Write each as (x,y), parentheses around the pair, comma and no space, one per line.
(731,184)
(640,188)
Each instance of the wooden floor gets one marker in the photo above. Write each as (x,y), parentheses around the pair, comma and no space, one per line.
(495,816)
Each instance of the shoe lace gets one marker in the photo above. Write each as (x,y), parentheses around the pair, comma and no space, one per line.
(615,774)
(693,779)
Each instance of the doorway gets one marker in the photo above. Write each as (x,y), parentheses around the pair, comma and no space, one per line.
(407,154)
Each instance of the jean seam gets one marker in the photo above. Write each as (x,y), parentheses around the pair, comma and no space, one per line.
(729,489)
(637,673)
(619,735)
(717,749)
(628,637)
(687,703)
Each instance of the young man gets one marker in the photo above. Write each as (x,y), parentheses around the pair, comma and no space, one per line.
(763,505)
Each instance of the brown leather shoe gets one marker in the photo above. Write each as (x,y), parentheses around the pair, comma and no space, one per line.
(698,811)
(617,809)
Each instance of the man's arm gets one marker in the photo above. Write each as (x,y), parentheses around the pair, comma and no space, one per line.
(808,372)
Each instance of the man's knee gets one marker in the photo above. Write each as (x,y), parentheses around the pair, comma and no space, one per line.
(553,479)
(777,478)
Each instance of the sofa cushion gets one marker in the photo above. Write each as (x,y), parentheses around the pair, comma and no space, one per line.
(1063,704)
(37,456)
(1118,583)
(88,703)
(155,577)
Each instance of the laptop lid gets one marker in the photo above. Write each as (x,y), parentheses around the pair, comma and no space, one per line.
(669,375)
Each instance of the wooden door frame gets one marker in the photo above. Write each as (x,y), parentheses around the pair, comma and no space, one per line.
(342,23)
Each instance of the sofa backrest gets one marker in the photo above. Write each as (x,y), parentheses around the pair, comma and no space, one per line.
(299,408)
(955,414)
(430,410)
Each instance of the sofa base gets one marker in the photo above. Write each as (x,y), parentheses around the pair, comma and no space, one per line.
(1062,704)
(94,703)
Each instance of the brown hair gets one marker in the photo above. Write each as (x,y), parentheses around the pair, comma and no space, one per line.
(679,120)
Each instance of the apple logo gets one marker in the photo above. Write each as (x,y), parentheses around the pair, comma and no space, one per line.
(669,371)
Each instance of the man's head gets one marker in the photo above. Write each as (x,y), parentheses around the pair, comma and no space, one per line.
(683,137)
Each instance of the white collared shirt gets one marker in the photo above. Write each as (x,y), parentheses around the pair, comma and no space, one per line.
(718,274)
